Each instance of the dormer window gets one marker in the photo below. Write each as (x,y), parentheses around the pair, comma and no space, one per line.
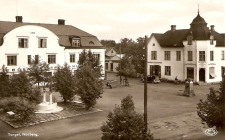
(91,43)
(189,39)
(75,42)
(211,39)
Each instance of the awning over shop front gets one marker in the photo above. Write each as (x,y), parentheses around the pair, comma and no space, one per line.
(212,72)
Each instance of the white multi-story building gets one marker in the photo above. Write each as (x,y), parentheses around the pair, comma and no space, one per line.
(53,43)
(197,53)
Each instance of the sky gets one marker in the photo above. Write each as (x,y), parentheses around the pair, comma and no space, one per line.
(117,19)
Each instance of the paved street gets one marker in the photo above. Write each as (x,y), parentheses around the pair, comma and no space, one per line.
(169,116)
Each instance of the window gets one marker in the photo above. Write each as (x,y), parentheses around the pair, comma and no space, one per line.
(42,43)
(29,59)
(106,66)
(36,59)
(189,39)
(178,55)
(22,43)
(154,55)
(167,70)
(212,74)
(211,56)
(97,56)
(51,59)
(153,44)
(75,42)
(11,60)
(111,51)
(190,56)
(211,39)
(91,42)
(167,55)
(72,58)
(222,55)
(201,55)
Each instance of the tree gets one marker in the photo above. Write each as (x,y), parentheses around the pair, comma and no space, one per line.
(125,124)
(109,43)
(212,111)
(137,55)
(20,97)
(127,68)
(88,58)
(37,71)
(88,83)
(64,82)
(4,82)
(20,86)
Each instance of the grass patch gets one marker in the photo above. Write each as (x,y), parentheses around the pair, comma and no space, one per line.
(69,110)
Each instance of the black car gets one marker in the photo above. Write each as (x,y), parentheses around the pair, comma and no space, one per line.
(152,79)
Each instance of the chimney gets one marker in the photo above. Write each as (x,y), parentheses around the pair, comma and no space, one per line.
(19,19)
(212,28)
(173,28)
(61,22)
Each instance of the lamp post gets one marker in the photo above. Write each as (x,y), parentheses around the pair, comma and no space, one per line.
(145,84)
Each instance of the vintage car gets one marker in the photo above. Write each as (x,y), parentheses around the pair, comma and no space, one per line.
(152,79)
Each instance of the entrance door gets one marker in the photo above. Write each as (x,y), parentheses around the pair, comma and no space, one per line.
(202,74)
(155,70)
(190,72)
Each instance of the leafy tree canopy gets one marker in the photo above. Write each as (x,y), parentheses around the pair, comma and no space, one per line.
(64,82)
(125,124)
(212,111)
(37,71)
(127,68)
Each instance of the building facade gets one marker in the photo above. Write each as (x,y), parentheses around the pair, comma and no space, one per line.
(197,53)
(56,44)
(112,59)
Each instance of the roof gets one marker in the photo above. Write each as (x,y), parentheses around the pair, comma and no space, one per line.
(198,29)
(198,20)
(110,48)
(62,31)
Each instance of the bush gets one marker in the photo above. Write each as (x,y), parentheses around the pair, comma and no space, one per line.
(212,111)
(22,108)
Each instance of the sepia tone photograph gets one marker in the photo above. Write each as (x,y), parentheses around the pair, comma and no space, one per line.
(112,70)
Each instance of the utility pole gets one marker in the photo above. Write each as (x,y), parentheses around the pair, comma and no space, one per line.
(120,65)
(145,84)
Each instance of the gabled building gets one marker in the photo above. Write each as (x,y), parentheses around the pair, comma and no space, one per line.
(197,53)
(112,59)
(53,43)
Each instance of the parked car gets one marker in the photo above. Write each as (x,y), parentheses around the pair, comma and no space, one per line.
(152,79)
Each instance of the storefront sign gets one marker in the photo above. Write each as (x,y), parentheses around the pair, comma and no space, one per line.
(212,63)
(189,64)
(155,62)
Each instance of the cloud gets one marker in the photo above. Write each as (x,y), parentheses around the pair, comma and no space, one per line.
(133,17)
(162,5)
(214,14)
(95,28)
